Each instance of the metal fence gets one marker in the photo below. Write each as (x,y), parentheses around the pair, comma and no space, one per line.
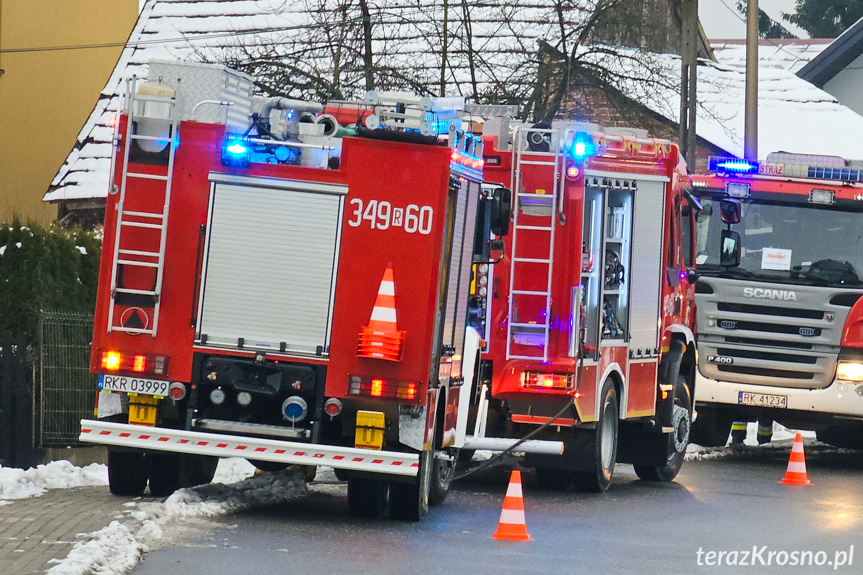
(66,386)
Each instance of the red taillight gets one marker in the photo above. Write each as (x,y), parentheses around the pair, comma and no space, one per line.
(392,388)
(546,380)
(119,361)
(333,407)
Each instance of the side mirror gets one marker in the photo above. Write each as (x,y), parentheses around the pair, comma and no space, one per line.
(692,276)
(729,256)
(730,211)
(501,210)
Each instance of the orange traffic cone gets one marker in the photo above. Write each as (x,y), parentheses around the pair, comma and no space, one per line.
(796,473)
(511,525)
(381,338)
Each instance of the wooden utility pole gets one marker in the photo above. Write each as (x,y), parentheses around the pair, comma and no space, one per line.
(688,79)
(750,131)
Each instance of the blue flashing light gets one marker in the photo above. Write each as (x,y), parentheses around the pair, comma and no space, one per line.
(582,146)
(732,166)
(235,153)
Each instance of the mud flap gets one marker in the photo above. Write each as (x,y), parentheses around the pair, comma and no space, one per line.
(669,368)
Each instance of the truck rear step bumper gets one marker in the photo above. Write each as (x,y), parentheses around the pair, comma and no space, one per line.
(218,445)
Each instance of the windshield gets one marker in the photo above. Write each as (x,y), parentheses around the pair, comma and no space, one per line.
(788,243)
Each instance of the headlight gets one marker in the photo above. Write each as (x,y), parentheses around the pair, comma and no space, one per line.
(849,371)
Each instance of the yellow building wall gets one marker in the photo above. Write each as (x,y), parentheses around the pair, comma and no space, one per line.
(46,96)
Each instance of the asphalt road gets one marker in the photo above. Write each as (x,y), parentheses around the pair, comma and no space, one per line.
(722,505)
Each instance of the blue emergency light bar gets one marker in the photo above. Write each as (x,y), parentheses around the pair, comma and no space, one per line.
(235,152)
(735,166)
(731,165)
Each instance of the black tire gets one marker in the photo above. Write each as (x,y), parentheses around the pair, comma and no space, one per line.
(410,501)
(367,497)
(603,451)
(341,474)
(268,465)
(165,473)
(200,469)
(843,437)
(442,474)
(554,479)
(711,428)
(127,473)
(677,440)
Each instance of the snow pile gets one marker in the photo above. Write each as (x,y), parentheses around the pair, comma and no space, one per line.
(118,547)
(21,484)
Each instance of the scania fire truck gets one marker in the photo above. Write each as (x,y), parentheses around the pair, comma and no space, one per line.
(290,289)
(780,325)
(590,315)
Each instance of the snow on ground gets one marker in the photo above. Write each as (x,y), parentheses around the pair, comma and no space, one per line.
(782,439)
(21,484)
(117,548)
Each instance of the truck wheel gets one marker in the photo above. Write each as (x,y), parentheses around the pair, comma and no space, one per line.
(127,473)
(711,428)
(678,439)
(367,497)
(442,474)
(200,469)
(410,501)
(553,479)
(603,450)
(165,473)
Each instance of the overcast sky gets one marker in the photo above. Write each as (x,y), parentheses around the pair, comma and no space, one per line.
(721,20)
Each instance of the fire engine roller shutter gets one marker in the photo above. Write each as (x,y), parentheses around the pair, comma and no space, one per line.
(646,265)
(271,252)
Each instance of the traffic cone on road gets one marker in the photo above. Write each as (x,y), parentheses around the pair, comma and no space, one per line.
(511,525)
(796,472)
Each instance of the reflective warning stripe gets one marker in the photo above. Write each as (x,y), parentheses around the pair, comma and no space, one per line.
(198,443)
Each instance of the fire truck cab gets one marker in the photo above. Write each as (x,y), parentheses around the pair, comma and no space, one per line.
(780,321)
(292,290)
(590,311)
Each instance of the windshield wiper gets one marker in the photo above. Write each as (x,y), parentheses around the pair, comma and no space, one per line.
(735,273)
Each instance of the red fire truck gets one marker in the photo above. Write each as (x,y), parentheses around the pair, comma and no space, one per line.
(591,310)
(282,293)
(779,310)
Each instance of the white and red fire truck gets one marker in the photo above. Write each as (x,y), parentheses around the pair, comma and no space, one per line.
(292,291)
(590,316)
(780,322)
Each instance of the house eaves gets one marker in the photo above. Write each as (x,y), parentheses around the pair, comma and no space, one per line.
(839,54)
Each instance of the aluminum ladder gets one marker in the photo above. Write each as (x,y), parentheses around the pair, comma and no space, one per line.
(152,254)
(524,156)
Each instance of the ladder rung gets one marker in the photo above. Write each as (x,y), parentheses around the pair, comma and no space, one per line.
(150,138)
(540,228)
(545,196)
(139,253)
(147,176)
(532,260)
(137,263)
(155,215)
(536,163)
(542,357)
(528,292)
(163,99)
(536,325)
(142,225)
(131,329)
(135,291)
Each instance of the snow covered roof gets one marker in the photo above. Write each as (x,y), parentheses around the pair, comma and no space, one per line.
(407,46)
(789,54)
(793,115)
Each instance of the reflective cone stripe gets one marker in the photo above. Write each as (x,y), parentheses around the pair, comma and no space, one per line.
(381,338)
(796,472)
(512,525)
(384,313)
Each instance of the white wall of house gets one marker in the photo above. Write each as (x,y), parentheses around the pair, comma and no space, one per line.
(847,86)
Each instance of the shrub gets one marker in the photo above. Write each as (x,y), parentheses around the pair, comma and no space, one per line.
(45,268)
